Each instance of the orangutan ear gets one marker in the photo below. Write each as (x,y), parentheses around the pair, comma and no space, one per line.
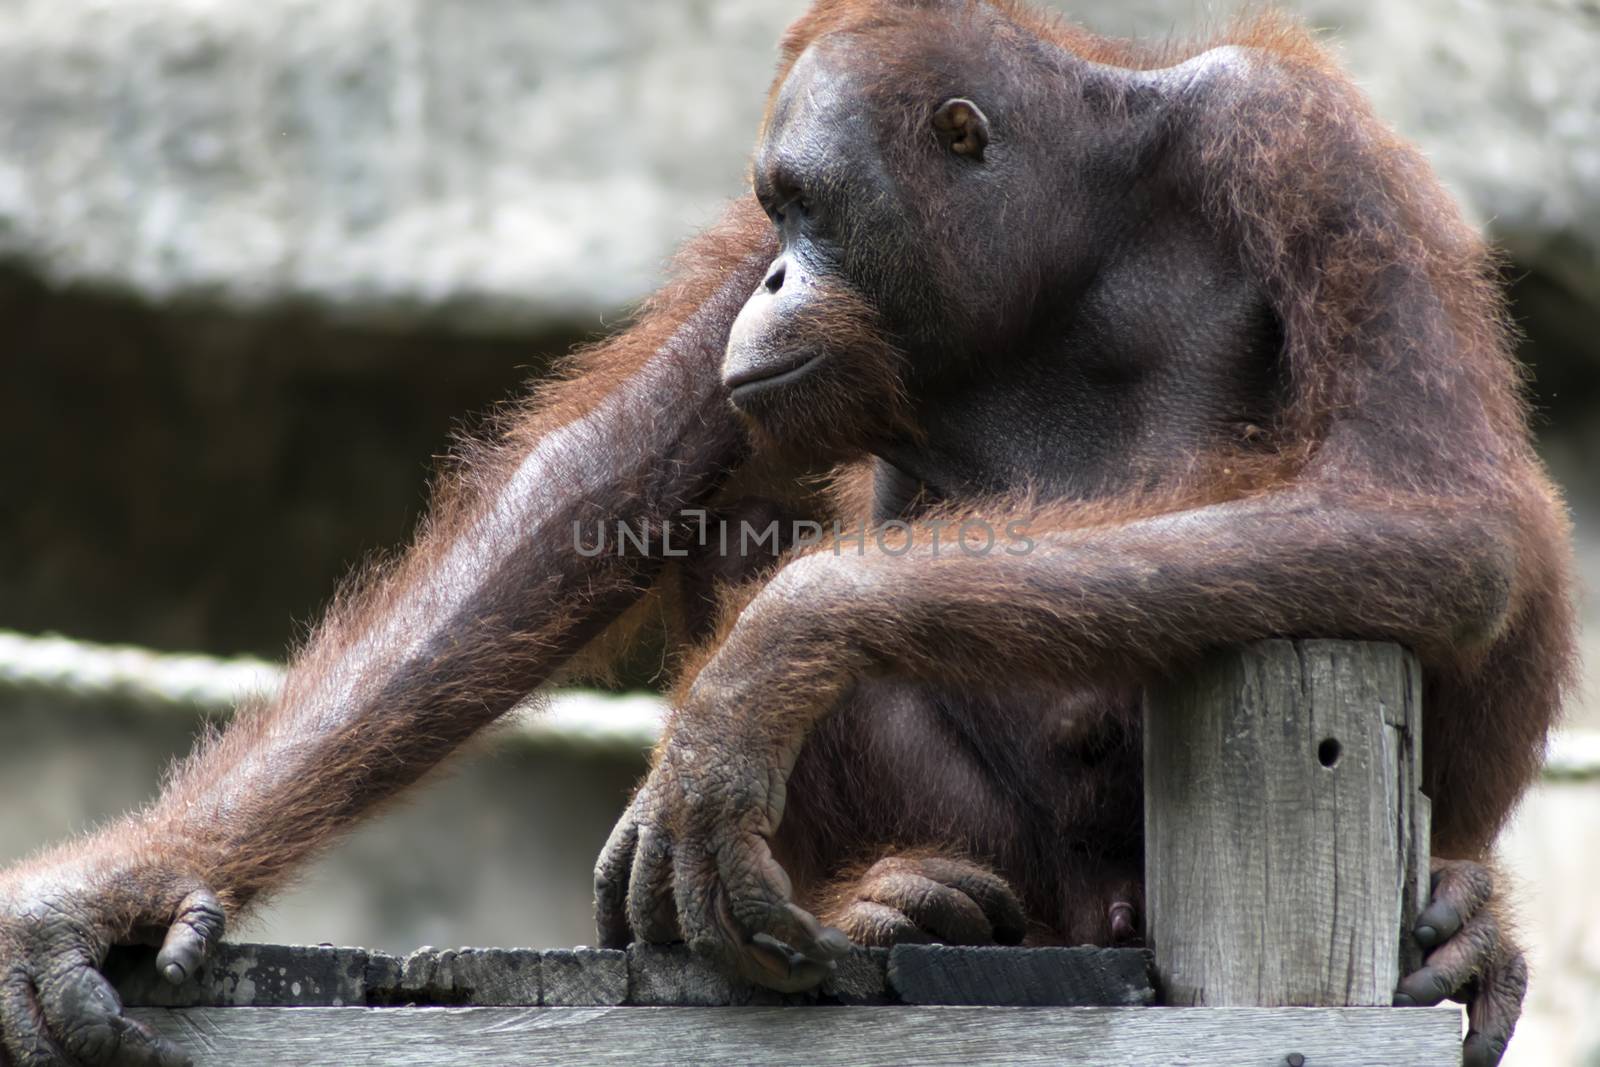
(961,127)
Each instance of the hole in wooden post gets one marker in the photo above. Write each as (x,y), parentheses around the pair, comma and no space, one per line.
(1328,751)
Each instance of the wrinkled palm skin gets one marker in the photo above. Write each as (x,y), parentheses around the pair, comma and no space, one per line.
(57,922)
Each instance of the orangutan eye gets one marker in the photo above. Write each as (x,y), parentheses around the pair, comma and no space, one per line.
(797,203)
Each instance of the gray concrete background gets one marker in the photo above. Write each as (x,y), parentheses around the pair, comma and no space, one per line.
(499,164)
(259,260)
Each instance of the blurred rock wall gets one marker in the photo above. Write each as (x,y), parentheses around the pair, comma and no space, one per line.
(501,165)
(259,260)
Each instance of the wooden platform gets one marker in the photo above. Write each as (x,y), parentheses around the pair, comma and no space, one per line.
(805,1037)
(1286,847)
(277,1006)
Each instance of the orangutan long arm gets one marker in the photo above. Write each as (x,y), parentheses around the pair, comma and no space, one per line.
(1062,597)
(1107,600)
(493,597)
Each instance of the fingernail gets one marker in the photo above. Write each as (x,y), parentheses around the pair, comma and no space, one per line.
(834,942)
(1403,1000)
(1426,936)
(174,973)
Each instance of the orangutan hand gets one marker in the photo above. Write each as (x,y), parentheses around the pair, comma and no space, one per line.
(1470,959)
(58,918)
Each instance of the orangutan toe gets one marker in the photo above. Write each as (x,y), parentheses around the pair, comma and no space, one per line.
(908,899)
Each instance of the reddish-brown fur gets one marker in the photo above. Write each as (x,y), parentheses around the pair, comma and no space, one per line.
(1432,371)
(1393,494)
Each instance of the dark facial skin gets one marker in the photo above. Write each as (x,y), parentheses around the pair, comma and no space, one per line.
(1069,368)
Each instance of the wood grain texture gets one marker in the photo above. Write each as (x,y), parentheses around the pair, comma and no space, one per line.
(778,1037)
(1080,977)
(483,976)
(245,975)
(584,977)
(259,976)
(1285,847)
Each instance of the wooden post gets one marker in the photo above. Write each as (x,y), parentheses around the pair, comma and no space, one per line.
(1286,842)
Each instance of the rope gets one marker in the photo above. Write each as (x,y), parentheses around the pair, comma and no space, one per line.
(132,676)
(63,669)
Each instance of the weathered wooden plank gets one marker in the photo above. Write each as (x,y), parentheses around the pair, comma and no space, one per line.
(1281,826)
(480,976)
(667,975)
(585,977)
(777,1037)
(1021,977)
(1417,833)
(261,976)
(247,975)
